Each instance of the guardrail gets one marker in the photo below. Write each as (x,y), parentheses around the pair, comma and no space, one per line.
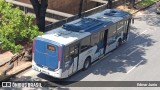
(84,14)
(60,18)
(27,8)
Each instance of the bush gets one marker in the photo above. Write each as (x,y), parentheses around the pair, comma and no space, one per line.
(15,27)
(147,2)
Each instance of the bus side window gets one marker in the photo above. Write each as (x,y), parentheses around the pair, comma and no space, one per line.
(95,39)
(112,34)
(101,36)
(72,52)
(66,58)
(120,26)
(126,24)
(112,31)
(76,50)
(85,44)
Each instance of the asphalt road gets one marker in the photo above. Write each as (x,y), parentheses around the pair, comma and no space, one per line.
(137,60)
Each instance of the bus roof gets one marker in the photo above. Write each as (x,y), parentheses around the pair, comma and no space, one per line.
(83,27)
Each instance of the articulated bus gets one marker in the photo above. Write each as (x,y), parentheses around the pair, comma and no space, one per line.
(75,45)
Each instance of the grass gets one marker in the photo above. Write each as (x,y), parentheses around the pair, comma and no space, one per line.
(147,2)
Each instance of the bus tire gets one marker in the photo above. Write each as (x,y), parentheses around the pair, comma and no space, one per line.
(86,63)
(119,43)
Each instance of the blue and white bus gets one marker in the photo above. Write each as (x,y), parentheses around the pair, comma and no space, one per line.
(74,46)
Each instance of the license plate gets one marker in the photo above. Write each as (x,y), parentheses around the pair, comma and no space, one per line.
(46,68)
(44,72)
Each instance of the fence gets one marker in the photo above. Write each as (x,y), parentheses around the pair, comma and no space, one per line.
(84,14)
(27,8)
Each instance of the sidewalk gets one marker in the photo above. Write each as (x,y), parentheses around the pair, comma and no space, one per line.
(5,57)
(138,6)
(19,65)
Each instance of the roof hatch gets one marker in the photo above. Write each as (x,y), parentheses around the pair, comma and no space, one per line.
(82,25)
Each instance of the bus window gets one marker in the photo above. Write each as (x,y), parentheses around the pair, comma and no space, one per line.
(76,48)
(120,26)
(85,44)
(112,34)
(51,48)
(66,53)
(72,52)
(102,35)
(112,31)
(95,39)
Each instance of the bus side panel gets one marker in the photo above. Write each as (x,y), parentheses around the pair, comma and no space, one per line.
(90,52)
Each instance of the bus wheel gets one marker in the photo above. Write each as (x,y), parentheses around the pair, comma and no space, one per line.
(119,43)
(86,63)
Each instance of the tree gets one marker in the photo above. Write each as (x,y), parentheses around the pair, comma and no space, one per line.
(40,7)
(16,28)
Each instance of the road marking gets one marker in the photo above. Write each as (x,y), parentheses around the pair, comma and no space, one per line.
(141,33)
(135,66)
(133,52)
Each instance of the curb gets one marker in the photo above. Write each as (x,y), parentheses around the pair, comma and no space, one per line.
(12,75)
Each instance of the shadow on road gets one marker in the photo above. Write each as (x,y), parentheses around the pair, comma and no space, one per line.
(150,17)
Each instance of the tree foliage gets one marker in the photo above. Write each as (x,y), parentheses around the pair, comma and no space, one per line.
(15,27)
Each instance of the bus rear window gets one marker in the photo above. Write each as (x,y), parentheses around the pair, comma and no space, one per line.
(51,48)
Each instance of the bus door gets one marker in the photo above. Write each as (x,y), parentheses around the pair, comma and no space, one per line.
(112,37)
(74,58)
(127,24)
(105,40)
